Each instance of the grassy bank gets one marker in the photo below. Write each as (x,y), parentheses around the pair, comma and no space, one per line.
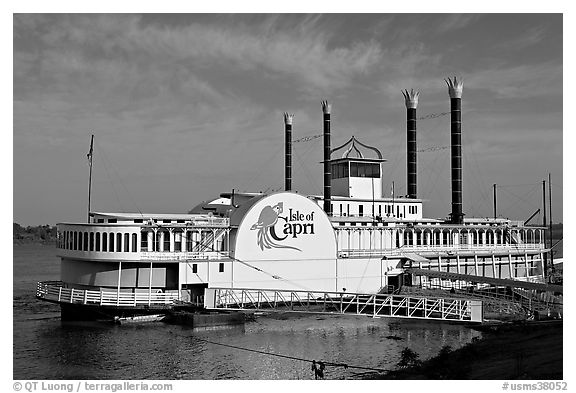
(512,351)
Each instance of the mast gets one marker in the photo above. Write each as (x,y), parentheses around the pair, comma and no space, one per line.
(326,108)
(544,224)
(393,199)
(495,210)
(288,118)
(90,157)
(550,217)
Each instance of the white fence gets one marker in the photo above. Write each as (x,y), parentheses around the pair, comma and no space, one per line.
(55,291)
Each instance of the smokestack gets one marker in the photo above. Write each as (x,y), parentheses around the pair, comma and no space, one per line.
(288,151)
(326,107)
(411,100)
(455,91)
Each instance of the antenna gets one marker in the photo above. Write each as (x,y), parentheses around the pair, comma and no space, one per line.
(90,156)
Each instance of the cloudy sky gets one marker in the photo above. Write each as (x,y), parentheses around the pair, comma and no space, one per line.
(185,106)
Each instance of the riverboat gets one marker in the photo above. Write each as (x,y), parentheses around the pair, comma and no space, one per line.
(351,239)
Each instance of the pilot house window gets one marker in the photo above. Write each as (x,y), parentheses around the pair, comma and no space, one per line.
(364,169)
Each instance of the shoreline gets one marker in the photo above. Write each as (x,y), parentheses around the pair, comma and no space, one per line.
(530,350)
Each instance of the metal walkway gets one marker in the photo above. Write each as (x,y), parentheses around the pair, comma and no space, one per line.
(487,280)
(376,305)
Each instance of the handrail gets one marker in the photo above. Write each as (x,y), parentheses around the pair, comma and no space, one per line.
(375,305)
(181,255)
(440,248)
(55,291)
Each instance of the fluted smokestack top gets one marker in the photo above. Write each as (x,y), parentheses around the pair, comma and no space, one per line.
(288,117)
(326,107)
(454,87)
(411,98)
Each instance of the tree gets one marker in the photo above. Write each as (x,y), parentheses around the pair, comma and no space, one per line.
(408,358)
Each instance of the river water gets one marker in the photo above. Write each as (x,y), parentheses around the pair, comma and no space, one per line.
(46,348)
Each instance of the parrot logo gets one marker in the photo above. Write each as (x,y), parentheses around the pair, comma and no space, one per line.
(267,237)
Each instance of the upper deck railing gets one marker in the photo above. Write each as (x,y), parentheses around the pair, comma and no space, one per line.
(452,249)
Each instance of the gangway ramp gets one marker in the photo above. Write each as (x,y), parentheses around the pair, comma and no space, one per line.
(501,282)
(374,305)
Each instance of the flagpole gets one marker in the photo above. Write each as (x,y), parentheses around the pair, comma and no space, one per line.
(90,154)
(392,199)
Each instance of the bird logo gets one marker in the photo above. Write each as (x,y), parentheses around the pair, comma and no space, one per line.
(266,233)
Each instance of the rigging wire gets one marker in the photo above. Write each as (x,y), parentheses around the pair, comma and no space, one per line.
(433,115)
(276,277)
(327,363)
(301,164)
(485,197)
(263,167)
(524,199)
(99,148)
(307,138)
(104,159)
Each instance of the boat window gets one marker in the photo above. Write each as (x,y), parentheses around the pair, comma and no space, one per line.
(339,170)
(111,244)
(75,240)
(361,210)
(138,221)
(97,241)
(91,241)
(104,242)
(156,241)
(177,241)
(221,267)
(126,242)
(112,220)
(118,242)
(85,242)
(166,241)
(189,246)
(364,169)
(134,242)
(194,268)
(143,241)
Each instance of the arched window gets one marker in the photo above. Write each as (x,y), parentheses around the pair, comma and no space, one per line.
(97,241)
(91,241)
(166,241)
(111,243)
(104,242)
(85,242)
(177,241)
(144,241)
(134,242)
(418,238)
(126,242)
(118,242)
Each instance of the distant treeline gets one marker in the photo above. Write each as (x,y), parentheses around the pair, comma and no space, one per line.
(41,233)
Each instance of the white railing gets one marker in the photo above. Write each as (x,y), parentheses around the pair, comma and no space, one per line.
(181,256)
(441,248)
(375,305)
(56,292)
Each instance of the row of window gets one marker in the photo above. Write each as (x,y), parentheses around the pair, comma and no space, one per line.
(220,268)
(387,211)
(355,169)
(200,243)
(120,242)
(97,241)
(137,221)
